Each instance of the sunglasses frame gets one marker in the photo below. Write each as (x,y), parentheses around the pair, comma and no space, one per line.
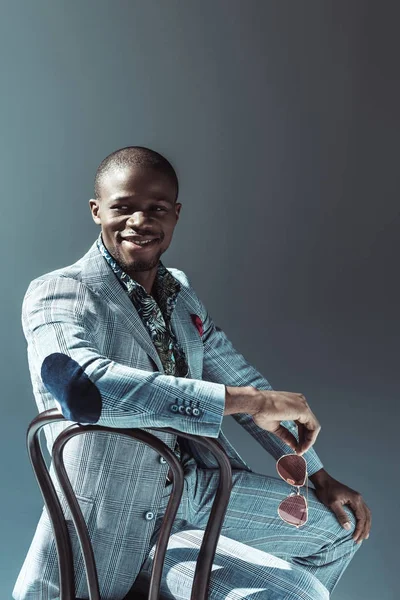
(297,493)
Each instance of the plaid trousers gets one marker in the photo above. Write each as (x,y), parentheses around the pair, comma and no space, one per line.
(321,547)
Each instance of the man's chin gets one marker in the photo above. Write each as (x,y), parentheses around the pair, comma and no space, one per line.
(139,267)
(140,264)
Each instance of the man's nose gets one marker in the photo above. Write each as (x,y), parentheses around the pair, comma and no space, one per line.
(139,218)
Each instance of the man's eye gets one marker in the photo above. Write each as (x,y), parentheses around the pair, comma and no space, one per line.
(127,207)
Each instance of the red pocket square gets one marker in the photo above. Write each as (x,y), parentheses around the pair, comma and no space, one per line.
(198,323)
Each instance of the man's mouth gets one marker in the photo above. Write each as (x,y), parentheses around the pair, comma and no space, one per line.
(141,242)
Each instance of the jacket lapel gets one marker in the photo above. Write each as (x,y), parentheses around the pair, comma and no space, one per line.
(188,336)
(97,274)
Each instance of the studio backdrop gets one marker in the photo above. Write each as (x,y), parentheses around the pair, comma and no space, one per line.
(281,119)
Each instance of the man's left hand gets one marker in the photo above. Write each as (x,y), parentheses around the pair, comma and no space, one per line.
(334,495)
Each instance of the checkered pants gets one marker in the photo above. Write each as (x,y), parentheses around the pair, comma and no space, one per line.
(321,547)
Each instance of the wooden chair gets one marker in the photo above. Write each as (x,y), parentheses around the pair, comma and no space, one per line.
(62,539)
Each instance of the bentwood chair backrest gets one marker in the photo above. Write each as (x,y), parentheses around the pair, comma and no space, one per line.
(63,543)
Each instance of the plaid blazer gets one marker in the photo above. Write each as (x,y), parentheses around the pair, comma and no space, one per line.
(90,355)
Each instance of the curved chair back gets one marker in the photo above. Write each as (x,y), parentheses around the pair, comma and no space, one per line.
(63,544)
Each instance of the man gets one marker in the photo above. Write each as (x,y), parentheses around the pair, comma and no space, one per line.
(120,340)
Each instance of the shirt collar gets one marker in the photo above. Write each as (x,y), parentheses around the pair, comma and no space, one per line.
(165,284)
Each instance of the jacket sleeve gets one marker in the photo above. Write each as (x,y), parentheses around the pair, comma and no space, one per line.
(223,363)
(58,320)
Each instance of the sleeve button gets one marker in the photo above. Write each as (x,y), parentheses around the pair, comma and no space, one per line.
(188,410)
(181,409)
(174,407)
(196,412)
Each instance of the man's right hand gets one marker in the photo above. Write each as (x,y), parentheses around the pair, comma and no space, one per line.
(269,407)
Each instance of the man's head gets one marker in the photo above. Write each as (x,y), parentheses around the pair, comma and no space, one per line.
(135,196)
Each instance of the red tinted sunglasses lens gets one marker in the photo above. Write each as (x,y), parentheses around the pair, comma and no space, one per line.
(293,510)
(293,469)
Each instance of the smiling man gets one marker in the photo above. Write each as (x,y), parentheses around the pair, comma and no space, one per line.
(120,340)
(137,211)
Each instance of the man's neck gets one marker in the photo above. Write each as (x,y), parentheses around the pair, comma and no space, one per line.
(146,280)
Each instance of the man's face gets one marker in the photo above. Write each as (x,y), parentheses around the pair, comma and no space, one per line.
(136,201)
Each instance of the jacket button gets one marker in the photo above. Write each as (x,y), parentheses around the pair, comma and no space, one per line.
(196,412)
(162,460)
(181,409)
(188,410)
(174,407)
(149,515)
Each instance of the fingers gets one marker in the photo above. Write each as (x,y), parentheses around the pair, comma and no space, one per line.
(363,517)
(285,435)
(308,425)
(361,513)
(358,534)
(283,406)
(303,443)
(302,434)
(307,436)
(341,514)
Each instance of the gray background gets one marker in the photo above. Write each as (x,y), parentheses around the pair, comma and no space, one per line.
(282,120)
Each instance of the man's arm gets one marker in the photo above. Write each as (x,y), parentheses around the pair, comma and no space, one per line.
(224,364)
(59,320)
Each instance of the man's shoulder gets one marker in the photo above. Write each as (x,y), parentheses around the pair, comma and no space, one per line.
(69,272)
(187,292)
(179,275)
(72,271)
(75,271)
(184,280)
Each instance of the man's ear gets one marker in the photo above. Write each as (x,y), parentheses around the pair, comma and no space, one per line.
(178,207)
(94,209)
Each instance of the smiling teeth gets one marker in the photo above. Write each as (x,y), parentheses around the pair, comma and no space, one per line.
(143,243)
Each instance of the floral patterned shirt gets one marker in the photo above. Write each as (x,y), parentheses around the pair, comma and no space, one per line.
(155,311)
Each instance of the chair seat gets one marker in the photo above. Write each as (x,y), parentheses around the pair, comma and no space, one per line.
(239,571)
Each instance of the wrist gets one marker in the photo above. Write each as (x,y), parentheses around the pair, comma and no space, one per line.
(319,478)
(241,400)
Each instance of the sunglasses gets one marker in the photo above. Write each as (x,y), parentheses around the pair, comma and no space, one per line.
(294,509)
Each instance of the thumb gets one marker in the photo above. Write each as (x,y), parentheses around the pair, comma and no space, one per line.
(341,515)
(286,436)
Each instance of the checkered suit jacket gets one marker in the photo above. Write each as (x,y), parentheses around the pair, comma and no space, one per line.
(90,355)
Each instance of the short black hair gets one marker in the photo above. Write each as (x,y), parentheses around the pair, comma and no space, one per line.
(134,155)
